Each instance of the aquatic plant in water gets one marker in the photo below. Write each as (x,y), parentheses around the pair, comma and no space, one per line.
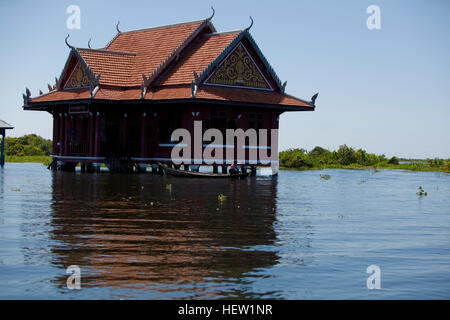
(421,192)
(325,176)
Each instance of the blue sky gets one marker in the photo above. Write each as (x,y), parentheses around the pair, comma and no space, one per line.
(387,90)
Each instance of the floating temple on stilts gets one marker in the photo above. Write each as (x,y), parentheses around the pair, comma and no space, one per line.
(123,113)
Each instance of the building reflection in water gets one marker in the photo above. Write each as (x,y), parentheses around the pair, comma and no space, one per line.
(155,236)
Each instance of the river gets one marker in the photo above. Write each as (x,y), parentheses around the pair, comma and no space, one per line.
(292,236)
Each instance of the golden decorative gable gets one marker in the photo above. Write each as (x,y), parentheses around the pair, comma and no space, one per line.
(239,70)
(78,78)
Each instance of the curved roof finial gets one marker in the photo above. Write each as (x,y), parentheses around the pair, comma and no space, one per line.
(89,43)
(67,42)
(213,12)
(313,99)
(251,24)
(117,27)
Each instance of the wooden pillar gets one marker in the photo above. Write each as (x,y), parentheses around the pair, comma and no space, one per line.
(155,135)
(2,148)
(97,134)
(144,143)
(124,133)
(55,132)
(66,134)
(61,134)
(91,134)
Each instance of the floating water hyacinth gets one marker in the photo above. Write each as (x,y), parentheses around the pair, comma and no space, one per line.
(421,192)
(221,198)
(325,176)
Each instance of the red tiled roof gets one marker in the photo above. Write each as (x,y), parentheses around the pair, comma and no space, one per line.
(118,94)
(114,67)
(131,54)
(249,96)
(227,94)
(72,94)
(202,53)
(152,46)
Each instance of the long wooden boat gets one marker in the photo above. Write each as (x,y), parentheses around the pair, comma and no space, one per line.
(193,174)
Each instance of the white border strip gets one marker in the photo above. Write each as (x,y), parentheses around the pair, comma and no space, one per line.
(204,160)
(226,146)
(78,157)
(172,145)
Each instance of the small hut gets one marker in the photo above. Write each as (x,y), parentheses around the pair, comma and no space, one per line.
(120,103)
(3,127)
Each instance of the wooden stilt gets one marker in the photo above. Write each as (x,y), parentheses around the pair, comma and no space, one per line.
(2,155)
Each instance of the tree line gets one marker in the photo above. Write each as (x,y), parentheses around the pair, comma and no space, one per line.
(346,156)
(28,145)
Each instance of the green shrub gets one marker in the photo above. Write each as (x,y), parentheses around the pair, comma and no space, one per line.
(295,158)
(346,155)
(393,160)
(320,157)
(446,165)
(28,145)
(436,162)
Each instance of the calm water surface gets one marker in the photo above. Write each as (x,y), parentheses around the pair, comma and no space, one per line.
(294,236)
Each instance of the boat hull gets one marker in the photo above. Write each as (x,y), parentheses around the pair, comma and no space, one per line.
(192,174)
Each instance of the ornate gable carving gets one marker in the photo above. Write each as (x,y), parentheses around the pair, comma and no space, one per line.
(78,78)
(239,70)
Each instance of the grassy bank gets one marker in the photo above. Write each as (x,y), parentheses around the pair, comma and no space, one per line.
(38,159)
(412,167)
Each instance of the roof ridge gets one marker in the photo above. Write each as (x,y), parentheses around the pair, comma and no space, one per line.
(269,67)
(108,51)
(164,26)
(221,33)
